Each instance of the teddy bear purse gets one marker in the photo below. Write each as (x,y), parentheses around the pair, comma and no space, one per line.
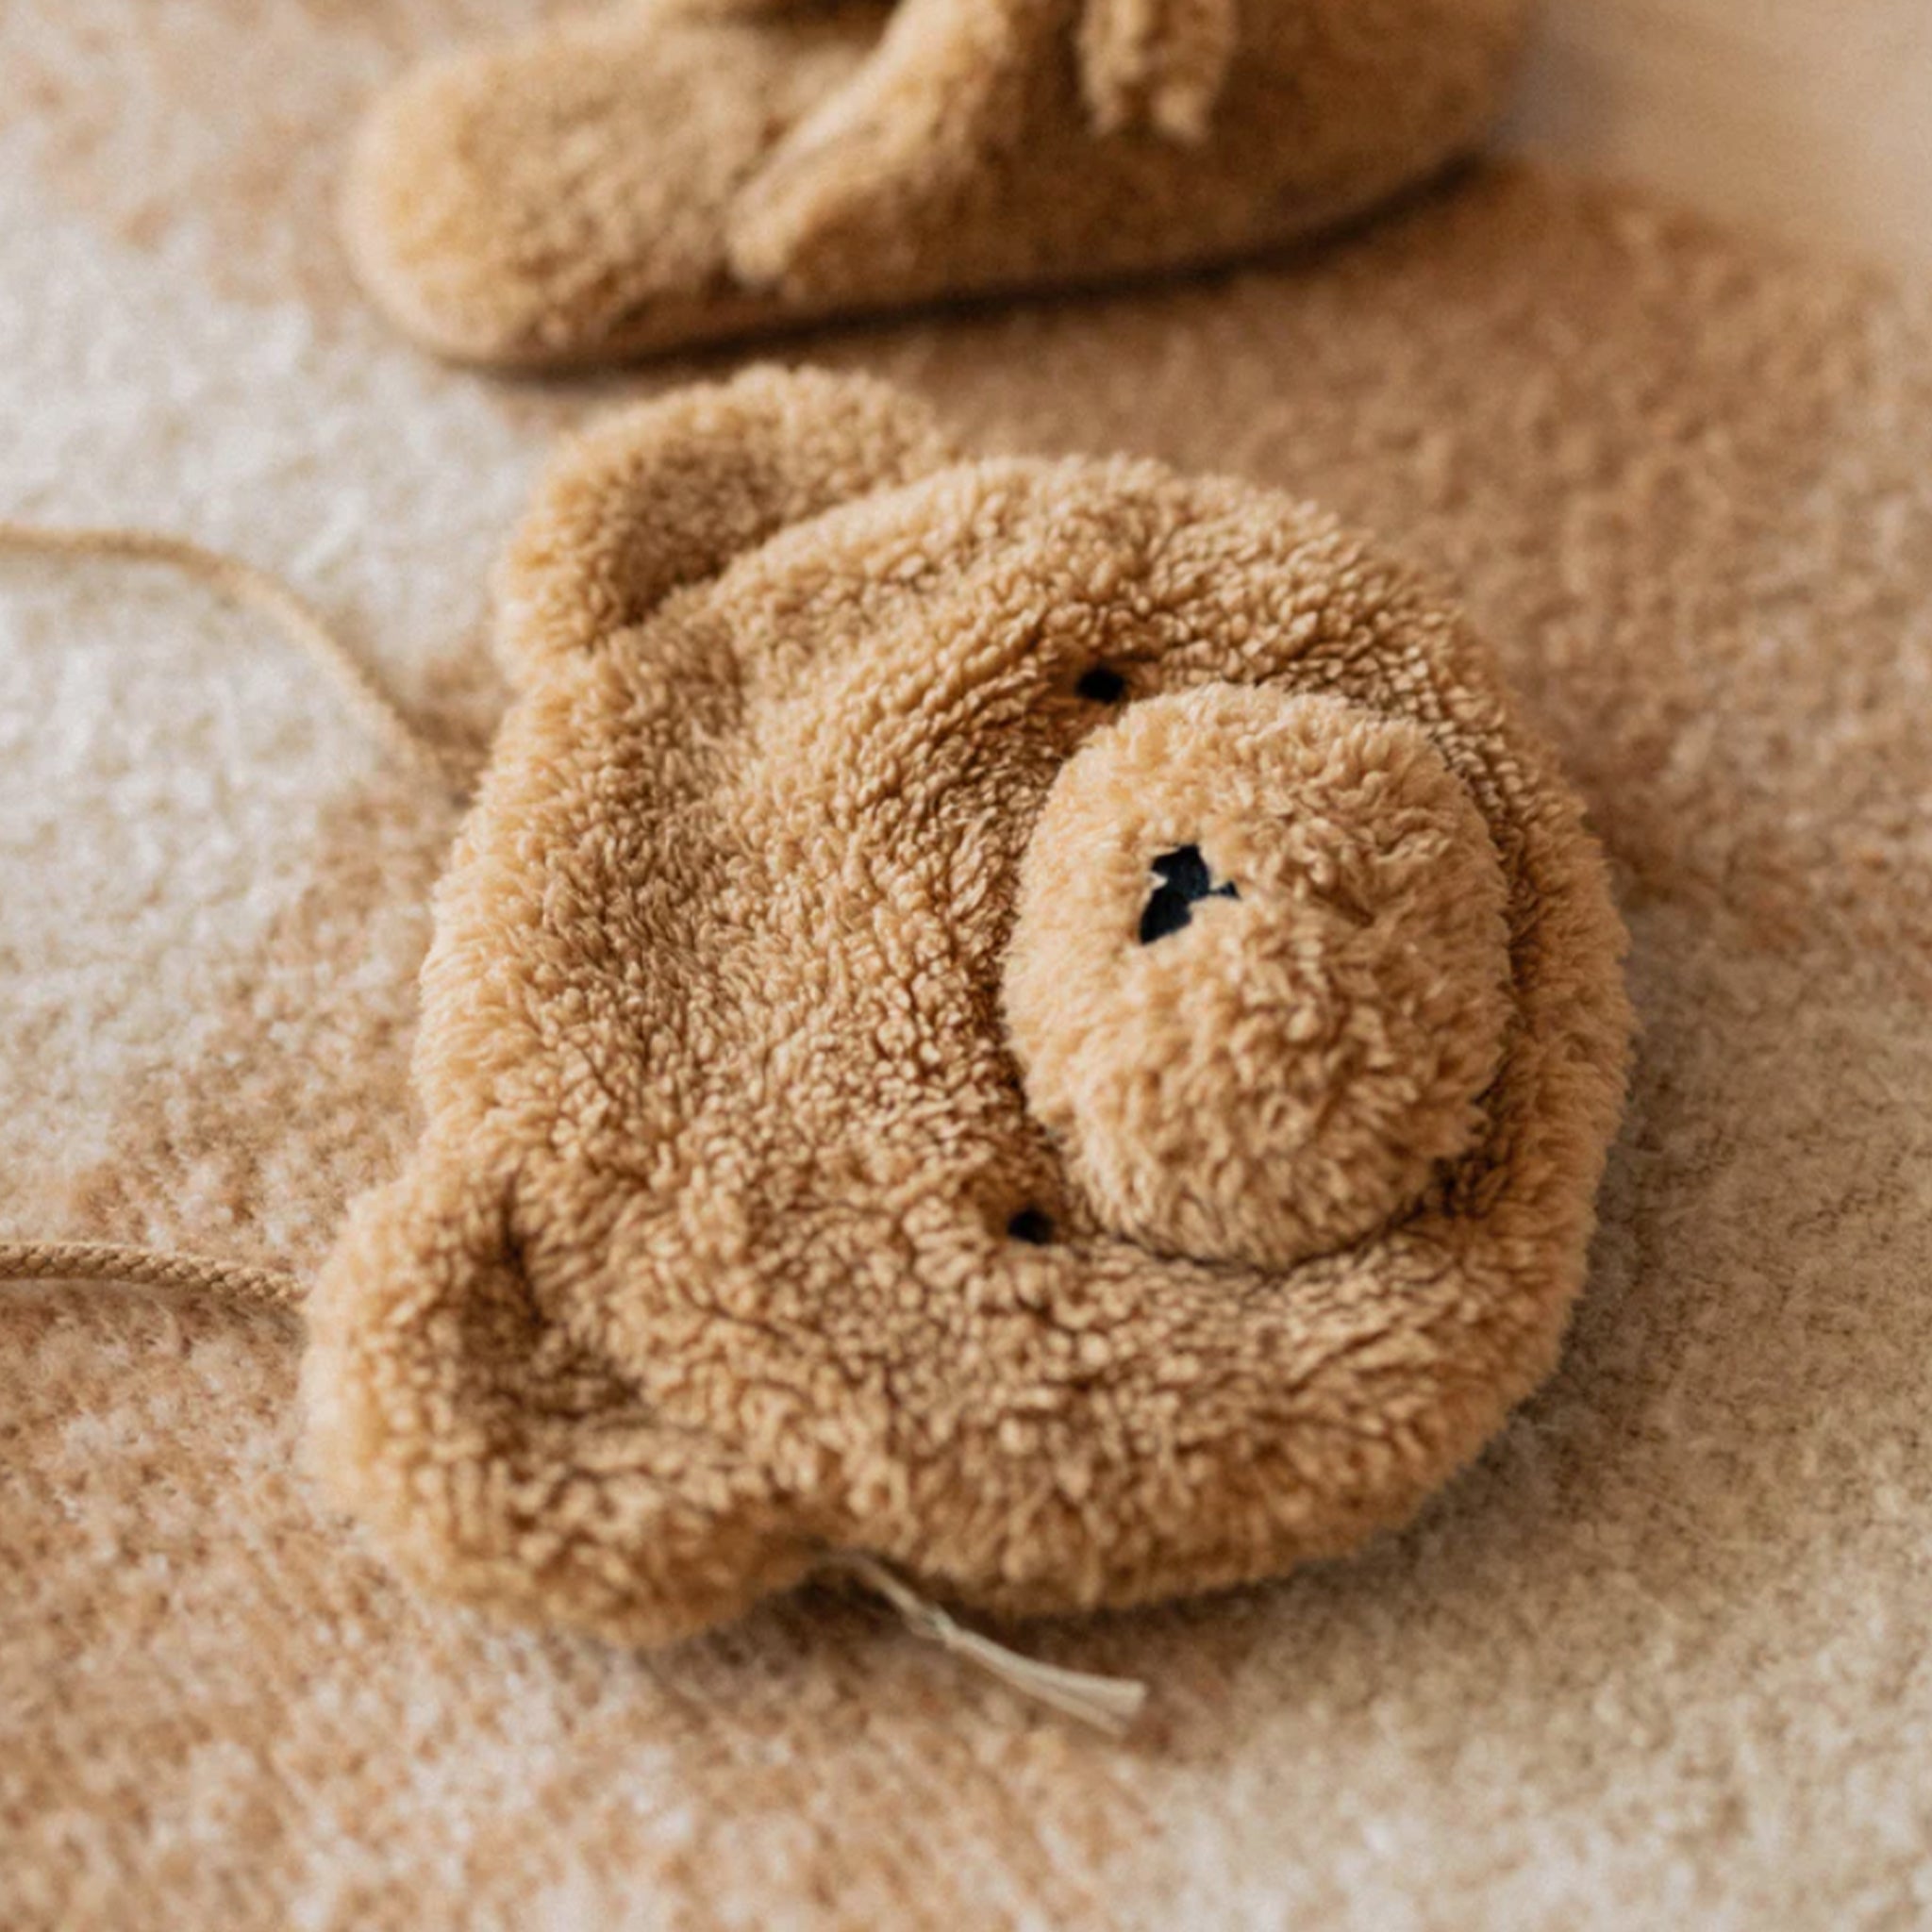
(1042,1024)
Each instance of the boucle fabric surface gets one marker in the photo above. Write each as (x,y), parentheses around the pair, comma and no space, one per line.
(1659,1658)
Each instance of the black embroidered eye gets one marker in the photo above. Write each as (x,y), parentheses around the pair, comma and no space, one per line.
(1031,1226)
(1184,878)
(1104,686)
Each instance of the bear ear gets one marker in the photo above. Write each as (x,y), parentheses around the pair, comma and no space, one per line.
(667,493)
(494,1460)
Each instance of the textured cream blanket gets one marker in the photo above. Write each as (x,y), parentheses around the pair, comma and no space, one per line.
(1660,1658)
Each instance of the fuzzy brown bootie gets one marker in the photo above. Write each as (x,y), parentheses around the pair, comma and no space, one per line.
(1039,1020)
(677,170)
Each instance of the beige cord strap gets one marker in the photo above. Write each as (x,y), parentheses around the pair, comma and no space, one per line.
(1109,1704)
(243,584)
(256,590)
(144,1268)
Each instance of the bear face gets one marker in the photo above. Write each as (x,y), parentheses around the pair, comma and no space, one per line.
(1038,1019)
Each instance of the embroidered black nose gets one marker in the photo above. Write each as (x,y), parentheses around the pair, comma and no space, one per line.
(1184,878)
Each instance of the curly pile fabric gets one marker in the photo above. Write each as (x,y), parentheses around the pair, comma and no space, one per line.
(707,1263)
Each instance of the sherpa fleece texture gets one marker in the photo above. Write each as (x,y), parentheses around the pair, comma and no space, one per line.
(1041,1020)
(676,170)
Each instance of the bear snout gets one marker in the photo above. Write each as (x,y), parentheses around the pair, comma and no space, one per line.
(1258,979)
